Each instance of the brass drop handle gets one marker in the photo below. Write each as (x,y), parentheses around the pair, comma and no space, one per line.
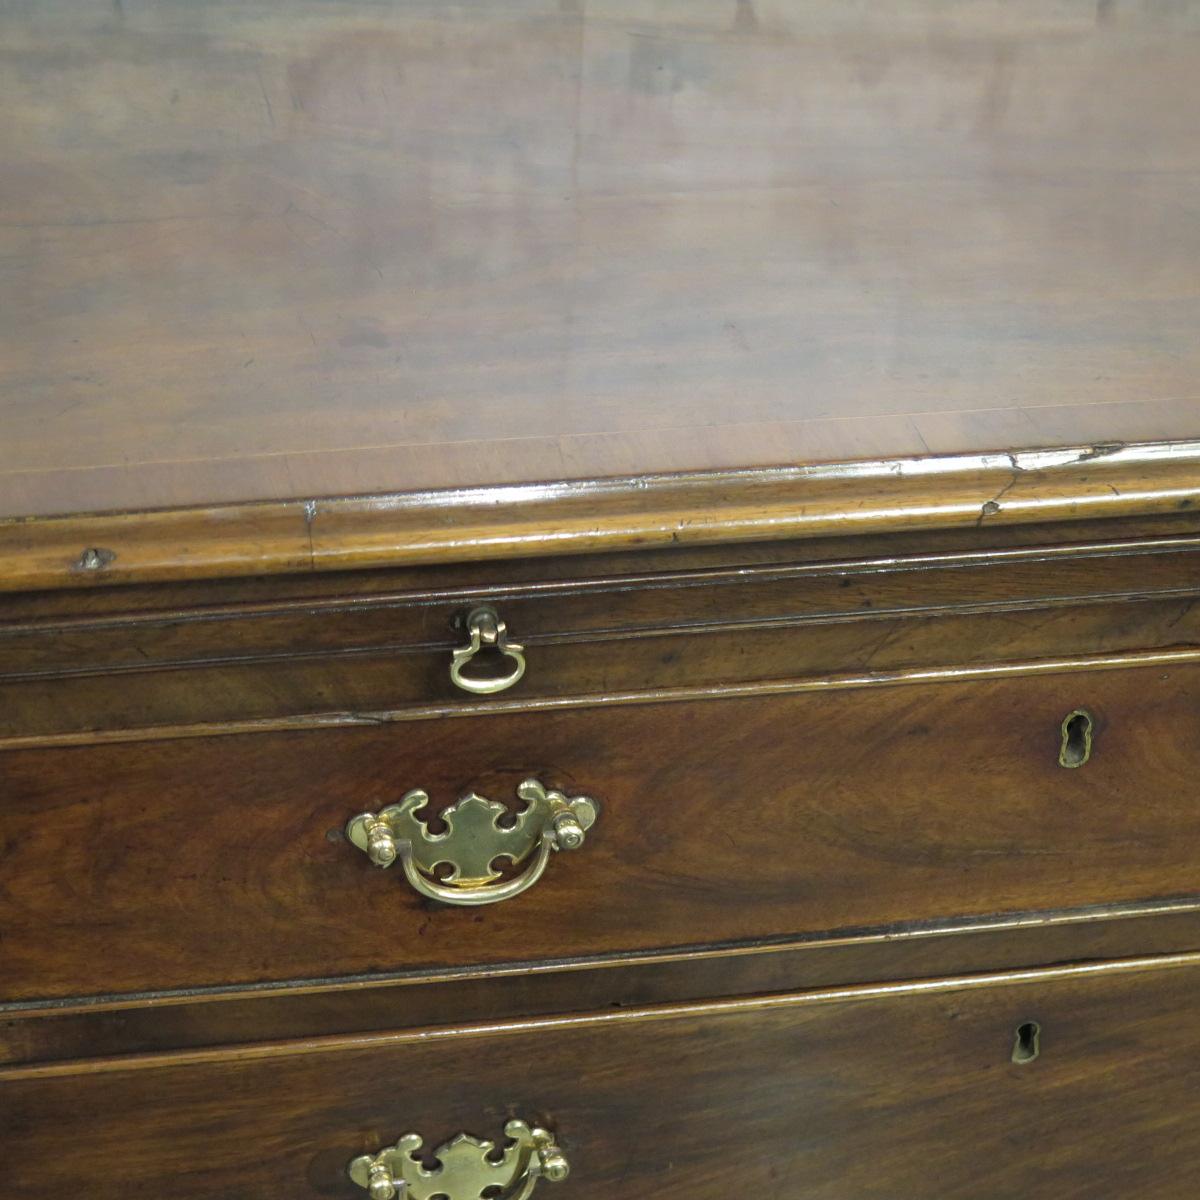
(486,631)
(466,1167)
(473,840)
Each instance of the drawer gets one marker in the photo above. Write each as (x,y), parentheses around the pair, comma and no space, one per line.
(1070,1083)
(387,652)
(216,861)
(58,1031)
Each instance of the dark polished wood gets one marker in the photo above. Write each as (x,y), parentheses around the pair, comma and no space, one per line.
(62,1030)
(613,608)
(256,253)
(902,1090)
(1093,482)
(813,388)
(146,665)
(633,565)
(722,819)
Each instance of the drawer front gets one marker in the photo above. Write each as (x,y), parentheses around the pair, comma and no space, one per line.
(73,675)
(212,861)
(1070,1083)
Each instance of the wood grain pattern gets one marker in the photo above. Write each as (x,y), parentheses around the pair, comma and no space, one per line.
(261,255)
(723,820)
(605,607)
(861,339)
(33,1032)
(187,597)
(496,522)
(844,1095)
(366,652)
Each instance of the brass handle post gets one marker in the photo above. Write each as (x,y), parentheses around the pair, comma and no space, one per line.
(486,631)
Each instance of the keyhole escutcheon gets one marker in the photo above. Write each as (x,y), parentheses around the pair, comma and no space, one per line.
(1078,733)
(1028,1043)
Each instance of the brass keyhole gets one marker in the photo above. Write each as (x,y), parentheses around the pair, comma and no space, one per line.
(1078,731)
(1028,1042)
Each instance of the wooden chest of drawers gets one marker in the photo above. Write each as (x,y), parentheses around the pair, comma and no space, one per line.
(599,600)
(887,882)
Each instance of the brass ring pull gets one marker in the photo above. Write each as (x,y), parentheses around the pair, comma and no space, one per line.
(467,1167)
(486,631)
(473,840)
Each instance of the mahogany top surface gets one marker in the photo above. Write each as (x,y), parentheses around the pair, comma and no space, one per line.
(264,251)
(267,252)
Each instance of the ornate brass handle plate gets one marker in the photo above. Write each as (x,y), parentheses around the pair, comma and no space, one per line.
(473,840)
(466,1167)
(486,631)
